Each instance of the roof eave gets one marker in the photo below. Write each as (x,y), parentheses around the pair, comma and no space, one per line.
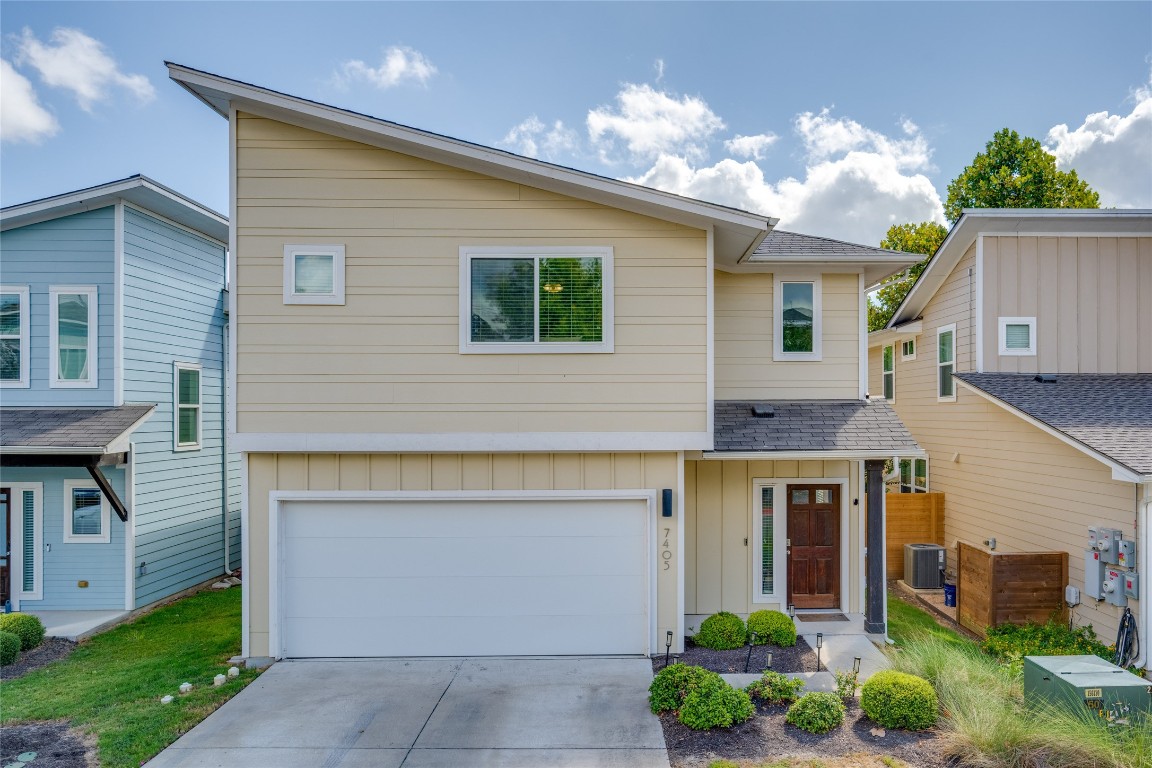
(121,443)
(902,331)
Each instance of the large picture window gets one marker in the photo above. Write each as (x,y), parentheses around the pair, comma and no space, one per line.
(14,336)
(797,324)
(945,362)
(72,317)
(536,300)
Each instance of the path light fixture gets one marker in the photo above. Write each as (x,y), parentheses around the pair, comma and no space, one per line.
(751,643)
(769,660)
(819,645)
(856,665)
(667,647)
(791,611)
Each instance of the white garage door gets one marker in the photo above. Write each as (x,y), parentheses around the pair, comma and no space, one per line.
(464,577)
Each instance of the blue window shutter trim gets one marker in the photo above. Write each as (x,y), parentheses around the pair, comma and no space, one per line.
(29,540)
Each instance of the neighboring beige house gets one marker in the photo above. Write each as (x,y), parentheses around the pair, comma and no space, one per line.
(490,405)
(1032,461)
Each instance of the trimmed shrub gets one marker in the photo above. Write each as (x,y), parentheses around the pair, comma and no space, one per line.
(713,703)
(816,712)
(775,688)
(1011,643)
(899,700)
(721,632)
(9,648)
(672,684)
(772,627)
(25,626)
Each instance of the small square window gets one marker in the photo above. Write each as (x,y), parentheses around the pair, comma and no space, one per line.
(1017,335)
(908,349)
(85,513)
(314,274)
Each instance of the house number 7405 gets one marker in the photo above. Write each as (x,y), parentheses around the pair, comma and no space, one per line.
(666,550)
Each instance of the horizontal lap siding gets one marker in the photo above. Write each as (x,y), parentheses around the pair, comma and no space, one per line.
(451,472)
(389,361)
(744,333)
(75,250)
(174,312)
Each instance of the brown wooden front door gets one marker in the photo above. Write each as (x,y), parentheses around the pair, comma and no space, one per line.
(814,546)
(5,546)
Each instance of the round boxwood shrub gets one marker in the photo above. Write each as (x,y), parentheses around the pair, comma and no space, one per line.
(672,684)
(713,703)
(721,631)
(9,648)
(772,627)
(899,700)
(816,712)
(25,626)
(775,688)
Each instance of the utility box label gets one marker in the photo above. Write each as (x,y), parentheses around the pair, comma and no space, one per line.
(1093,693)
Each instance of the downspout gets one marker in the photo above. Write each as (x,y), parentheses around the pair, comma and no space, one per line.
(1144,542)
(224,438)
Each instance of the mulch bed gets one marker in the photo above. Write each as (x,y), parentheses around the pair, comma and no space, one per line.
(54,744)
(798,658)
(52,649)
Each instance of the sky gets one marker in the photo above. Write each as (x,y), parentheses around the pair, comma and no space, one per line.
(839,118)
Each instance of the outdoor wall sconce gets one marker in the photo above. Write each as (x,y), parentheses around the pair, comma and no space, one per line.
(667,646)
(819,646)
(666,502)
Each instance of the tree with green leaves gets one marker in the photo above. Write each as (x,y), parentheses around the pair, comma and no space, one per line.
(924,238)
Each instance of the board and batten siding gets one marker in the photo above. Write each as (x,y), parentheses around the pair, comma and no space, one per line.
(451,472)
(719,504)
(76,250)
(174,312)
(389,360)
(1091,297)
(744,337)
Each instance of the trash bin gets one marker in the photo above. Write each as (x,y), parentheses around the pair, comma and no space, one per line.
(950,595)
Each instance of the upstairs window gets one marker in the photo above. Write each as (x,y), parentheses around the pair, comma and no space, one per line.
(187,408)
(14,336)
(85,513)
(889,374)
(1017,335)
(913,475)
(908,349)
(945,362)
(551,299)
(797,324)
(72,317)
(314,274)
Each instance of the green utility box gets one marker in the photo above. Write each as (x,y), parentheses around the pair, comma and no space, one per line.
(1113,693)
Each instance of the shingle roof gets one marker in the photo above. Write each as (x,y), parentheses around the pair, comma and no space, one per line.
(61,428)
(812,425)
(1109,413)
(781,244)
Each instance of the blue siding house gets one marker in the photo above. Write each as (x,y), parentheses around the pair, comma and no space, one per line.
(116,486)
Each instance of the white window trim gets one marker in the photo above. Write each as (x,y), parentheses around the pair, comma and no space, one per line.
(54,380)
(337,254)
(779,533)
(912,475)
(885,374)
(1002,335)
(16,561)
(778,353)
(607,316)
(176,444)
(911,356)
(23,381)
(105,534)
(951,327)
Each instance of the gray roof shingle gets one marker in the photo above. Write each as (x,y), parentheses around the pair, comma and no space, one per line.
(1109,413)
(781,244)
(812,425)
(58,428)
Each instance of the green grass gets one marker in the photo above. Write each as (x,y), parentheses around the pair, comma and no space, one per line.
(907,622)
(111,685)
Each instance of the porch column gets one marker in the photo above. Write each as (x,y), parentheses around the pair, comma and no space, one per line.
(877,584)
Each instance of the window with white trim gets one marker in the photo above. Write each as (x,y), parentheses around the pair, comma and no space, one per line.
(314,274)
(547,299)
(889,372)
(186,406)
(767,522)
(796,319)
(86,515)
(1017,335)
(945,362)
(72,317)
(14,336)
(913,475)
(908,349)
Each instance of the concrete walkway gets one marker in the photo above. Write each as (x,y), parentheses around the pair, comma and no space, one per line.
(76,625)
(837,655)
(434,713)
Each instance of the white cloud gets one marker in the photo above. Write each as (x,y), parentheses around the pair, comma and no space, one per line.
(22,118)
(652,123)
(399,65)
(1108,151)
(76,62)
(659,66)
(751,146)
(535,139)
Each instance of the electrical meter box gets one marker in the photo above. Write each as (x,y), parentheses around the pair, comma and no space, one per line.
(1114,694)
(1108,541)
(1126,553)
(1093,574)
(1132,585)
(1114,587)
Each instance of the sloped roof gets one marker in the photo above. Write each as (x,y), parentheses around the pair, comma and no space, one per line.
(876,263)
(69,430)
(1107,414)
(857,427)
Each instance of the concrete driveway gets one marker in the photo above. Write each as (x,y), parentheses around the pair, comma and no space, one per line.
(434,713)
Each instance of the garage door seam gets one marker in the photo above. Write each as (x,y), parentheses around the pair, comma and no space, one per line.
(433,711)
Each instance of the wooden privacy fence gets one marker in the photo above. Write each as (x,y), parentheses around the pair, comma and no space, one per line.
(912,518)
(1001,588)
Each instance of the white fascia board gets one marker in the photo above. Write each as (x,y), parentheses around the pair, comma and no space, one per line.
(469,442)
(918,453)
(888,335)
(1119,471)
(739,232)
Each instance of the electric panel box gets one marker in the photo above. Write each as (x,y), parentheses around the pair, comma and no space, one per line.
(1093,574)
(1132,585)
(924,566)
(1114,694)
(1114,587)
(1109,544)
(1126,553)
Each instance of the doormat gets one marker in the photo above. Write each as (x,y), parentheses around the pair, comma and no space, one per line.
(821,617)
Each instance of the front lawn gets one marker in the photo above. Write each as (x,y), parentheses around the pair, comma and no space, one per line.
(112,684)
(906,622)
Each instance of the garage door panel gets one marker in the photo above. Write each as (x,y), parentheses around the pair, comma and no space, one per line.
(379,557)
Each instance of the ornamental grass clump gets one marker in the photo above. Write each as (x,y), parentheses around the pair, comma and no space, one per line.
(721,632)
(816,712)
(775,688)
(25,626)
(899,700)
(772,627)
